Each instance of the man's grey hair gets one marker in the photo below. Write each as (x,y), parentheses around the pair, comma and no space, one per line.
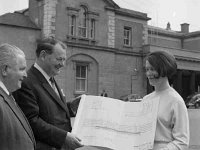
(9,52)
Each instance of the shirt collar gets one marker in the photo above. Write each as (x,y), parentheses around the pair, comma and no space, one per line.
(4,87)
(47,77)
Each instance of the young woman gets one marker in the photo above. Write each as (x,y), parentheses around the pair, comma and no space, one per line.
(172,129)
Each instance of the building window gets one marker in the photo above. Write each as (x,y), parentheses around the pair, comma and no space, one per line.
(81,77)
(72,25)
(92,29)
(127,36)
(82,26)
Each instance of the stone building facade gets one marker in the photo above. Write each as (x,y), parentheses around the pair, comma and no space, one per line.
(106,45)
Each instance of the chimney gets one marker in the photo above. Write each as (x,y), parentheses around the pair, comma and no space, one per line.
(168,26)
(185,28)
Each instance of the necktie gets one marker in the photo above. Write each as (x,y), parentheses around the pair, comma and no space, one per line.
(53,85)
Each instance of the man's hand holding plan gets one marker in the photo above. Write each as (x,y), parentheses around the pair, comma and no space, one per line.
(119,125)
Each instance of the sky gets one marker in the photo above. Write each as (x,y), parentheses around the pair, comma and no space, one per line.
(161,12)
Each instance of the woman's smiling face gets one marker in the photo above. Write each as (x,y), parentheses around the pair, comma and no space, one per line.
(152,74)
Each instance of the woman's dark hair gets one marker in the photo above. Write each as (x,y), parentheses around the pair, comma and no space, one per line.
(47,45)
(163,62)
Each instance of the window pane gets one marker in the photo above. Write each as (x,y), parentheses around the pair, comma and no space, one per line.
(82,82)
(125,33)
(78,71)
(80,85)
(72,25)
(92,30)
(127,36)
(82,32)
(83,72)
(81,78)
(82,25)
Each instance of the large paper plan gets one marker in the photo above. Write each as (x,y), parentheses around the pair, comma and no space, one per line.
(119,125)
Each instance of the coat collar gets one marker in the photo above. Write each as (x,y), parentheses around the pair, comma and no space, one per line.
(18,113)
(60,100)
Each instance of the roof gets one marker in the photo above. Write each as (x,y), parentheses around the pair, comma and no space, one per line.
(127,12)
(17,19)
(152,30)
(112,3)
(22,11)
(133,13)
(172,33)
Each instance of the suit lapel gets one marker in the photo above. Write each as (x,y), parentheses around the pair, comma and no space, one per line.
(48,88)
(18,113)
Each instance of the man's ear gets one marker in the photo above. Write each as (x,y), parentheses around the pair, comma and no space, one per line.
(4,70)
(43,54)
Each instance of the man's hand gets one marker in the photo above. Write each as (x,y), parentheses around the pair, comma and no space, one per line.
(71,142)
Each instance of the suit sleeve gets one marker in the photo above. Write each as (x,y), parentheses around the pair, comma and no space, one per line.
(26,98)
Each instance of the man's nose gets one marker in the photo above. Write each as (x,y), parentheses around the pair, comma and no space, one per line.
(62,63)
(25,74)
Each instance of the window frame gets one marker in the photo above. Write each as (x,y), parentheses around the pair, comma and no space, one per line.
(92,28)
(79,90)
(127,41)
(82,23)
(72,25)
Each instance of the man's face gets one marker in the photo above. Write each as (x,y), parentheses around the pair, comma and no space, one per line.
(15,73)
(55,61)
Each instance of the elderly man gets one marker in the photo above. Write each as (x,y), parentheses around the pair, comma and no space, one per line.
(15,131)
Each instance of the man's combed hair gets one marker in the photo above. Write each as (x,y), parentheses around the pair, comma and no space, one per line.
(163,62)
(47,44)
(9,52)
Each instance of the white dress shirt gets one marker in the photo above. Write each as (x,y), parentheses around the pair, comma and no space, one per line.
(4,87)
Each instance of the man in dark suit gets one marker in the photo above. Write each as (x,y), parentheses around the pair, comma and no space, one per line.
(15,131)
(42,101)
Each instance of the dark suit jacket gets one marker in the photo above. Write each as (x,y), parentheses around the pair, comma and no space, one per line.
(48,114)
(15,131)
(93,148)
